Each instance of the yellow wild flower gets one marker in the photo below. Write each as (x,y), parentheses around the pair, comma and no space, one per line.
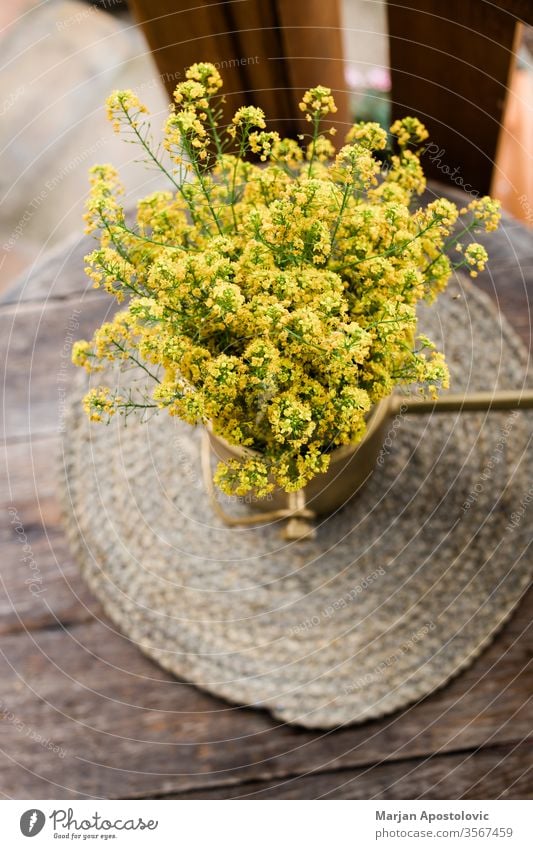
(317,103)
(123,108)
(273,292)
(206,74)
(409,131)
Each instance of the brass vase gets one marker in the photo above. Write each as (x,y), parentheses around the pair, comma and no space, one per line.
(350,465)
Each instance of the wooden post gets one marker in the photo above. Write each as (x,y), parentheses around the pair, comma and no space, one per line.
(267,51)
(450,64)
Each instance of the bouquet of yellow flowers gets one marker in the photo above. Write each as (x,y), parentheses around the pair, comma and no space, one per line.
(272,290)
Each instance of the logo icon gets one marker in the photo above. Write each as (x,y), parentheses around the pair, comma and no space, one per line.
(32,822)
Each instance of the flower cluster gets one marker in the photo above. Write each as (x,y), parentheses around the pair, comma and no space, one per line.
(317,103)
(274,293)
(409,131)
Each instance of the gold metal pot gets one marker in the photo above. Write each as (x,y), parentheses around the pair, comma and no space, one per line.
(350,466)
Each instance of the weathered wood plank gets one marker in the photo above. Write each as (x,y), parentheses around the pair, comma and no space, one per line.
(35,346)
(60,274)
(496,772)
(41,584)
(460,101)
(40,581)
(129,729)
(28,480)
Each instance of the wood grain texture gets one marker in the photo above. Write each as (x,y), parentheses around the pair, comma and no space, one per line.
(311,38)
(487,703)
(522,10)
(267,52)
(129,728)
(60,274)
(504,772)
(35,349)
(41,586)
(28,478)
(450,65)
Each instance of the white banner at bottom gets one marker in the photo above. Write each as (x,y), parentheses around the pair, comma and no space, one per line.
(267,824)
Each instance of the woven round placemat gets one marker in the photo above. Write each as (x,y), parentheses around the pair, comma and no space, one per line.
(400,590)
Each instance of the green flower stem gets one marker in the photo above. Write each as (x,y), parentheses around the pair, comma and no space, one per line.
(242,148)
(346,195)
(156,161)
(135,360)
(121,280)
(194,162)
(214,131)
(316,125)
(131,405)
(396,249)
(147,240)
(451,242)
(389,321)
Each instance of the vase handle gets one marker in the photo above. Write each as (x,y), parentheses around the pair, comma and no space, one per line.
(511,399)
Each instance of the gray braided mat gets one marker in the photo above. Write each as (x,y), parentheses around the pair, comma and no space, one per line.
(400,590)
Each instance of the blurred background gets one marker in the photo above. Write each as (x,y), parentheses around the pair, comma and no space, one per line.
(60,59)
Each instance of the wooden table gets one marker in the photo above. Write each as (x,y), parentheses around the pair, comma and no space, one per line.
(84,714)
